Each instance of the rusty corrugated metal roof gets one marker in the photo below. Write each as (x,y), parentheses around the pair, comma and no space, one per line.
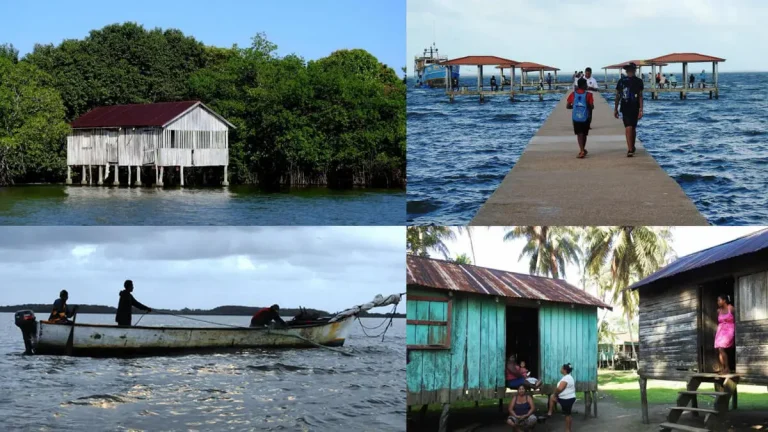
(154,114)
(748,244)
(685,58)
(480,61)
(438,274)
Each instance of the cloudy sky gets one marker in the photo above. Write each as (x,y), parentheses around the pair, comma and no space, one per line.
(328,268)
(573,34)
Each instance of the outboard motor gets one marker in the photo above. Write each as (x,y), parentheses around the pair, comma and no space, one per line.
(26,321)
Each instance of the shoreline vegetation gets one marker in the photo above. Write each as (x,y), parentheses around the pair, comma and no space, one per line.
(44,309)
(338,121)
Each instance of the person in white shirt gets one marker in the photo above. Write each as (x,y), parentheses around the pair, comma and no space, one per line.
(591,81)
(565,395)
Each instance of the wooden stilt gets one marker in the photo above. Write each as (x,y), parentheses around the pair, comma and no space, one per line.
(157,177)
(162,171)
(444,418)
(735,397)
(129,176)
(83,179)
(90,174)
(116,181)
(644,393)
(423,413)
(587,403)
(181,175)
(226,178)
(594,400)
(138,176)
(69,175)
(100,180)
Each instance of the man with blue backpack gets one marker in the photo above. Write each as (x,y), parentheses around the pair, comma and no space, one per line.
(582,103)
(629,93)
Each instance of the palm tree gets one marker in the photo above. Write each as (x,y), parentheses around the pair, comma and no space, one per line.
(549,249)
(461,229)
(628,254)
(419,239)
(462,259)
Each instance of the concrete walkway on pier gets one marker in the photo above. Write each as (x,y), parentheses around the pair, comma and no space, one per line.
(550,186)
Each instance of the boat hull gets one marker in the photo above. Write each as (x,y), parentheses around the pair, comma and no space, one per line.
(434,75)
(106,340)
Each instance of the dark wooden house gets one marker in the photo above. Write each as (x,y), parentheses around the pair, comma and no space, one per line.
(678,322)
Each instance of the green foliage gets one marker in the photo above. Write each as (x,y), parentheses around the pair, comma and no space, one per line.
(421,239)
(549,249)
(32,130)
(462,259)
(339,120)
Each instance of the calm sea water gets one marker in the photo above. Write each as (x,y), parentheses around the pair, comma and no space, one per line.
(235,205)
(717,150)
(269,390)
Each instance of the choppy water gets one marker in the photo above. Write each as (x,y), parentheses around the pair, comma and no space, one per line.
(235,205)
(270,390)
(717,150)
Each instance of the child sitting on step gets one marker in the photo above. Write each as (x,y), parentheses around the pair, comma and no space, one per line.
(527,374)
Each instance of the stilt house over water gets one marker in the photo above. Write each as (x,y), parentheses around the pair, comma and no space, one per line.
(678,322)
(158,135)
(464,321)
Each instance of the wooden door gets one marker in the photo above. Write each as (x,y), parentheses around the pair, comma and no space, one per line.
(708,293)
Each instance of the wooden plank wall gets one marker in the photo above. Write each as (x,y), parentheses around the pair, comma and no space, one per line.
(198,120)
(752,334)
(473,368)
(568,335)
(669,320)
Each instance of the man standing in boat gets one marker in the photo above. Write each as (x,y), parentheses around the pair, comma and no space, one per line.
(264,316)
(61,313)
(124,311)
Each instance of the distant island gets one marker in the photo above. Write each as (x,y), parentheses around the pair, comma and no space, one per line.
(44,309)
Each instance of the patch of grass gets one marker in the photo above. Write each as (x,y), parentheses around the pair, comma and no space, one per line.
(624,387)
(539,401)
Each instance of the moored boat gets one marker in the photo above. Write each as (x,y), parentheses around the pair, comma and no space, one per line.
(109,340)
(428,70)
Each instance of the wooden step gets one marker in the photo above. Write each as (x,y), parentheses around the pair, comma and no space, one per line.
(704,410)
(703,393)
(675,426)
(714,375)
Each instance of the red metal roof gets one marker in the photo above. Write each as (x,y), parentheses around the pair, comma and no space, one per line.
(750,243)
(637,62)
(154,114)
(444,275)
(480,61)
(685,58)
(531,66)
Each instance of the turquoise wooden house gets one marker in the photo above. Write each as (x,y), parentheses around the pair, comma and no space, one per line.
(464,321)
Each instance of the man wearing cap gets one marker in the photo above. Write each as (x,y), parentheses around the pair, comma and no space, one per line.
(629,96)
(264,316)
(127,302)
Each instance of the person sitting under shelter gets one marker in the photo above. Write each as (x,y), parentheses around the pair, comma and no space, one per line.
(494,87)
(527,374)
(265,316)
(61,313)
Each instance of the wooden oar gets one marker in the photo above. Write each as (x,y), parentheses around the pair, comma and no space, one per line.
(71,339)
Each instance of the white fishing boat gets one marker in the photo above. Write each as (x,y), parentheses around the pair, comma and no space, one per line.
(110,340)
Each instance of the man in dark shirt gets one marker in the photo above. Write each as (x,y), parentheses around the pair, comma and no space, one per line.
(629,94)
(265,316)
(125,305)
(61,313)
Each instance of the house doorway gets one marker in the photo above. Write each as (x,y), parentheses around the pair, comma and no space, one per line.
(708,355)
(523,337)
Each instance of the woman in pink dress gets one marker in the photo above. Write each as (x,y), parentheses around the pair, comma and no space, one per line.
(726,330)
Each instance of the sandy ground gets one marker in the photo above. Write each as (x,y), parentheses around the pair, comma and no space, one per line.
(611,417)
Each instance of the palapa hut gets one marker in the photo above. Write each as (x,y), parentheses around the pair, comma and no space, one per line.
(167,134)
(678,322)
(461,323)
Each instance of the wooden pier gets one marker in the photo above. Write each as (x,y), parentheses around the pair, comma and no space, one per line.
(549,186)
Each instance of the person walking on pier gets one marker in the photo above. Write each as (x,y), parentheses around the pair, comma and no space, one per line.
(549,80)
(582,103)
(629,96)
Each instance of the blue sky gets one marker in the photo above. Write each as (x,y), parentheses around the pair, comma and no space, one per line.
(573,34)
(312,29)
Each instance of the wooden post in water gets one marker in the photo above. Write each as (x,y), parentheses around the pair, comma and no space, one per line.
(225,182)
(100,180)
(717,87)
(116,181)
(129,174)
(90,174)
(69,175)
(160,180)
(138,175)
(644,385)
(181,175)
(653,82)
(83,179)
